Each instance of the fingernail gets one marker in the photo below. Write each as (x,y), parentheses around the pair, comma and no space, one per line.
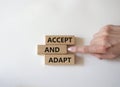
(72,49)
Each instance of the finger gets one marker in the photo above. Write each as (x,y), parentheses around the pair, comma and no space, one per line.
(99,34)
(107,30)
(115,50)
(111,53)
(105,34)
(98,56)
(104,56)
(105,41)
(116,28)
(101,41)
(87,49)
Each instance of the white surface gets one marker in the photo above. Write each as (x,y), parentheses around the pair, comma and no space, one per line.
(23,24)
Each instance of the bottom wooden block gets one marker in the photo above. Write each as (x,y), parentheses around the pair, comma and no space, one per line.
(60,59)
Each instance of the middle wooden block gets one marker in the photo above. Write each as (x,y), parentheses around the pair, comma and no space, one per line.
(52,49)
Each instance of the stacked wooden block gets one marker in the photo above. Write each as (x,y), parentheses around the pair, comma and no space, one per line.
(55,50)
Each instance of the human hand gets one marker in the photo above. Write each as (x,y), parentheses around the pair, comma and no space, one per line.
(104,45)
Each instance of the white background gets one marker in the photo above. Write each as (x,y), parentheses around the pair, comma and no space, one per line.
(23,24)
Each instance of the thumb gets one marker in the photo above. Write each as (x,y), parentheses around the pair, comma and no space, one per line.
(88,49)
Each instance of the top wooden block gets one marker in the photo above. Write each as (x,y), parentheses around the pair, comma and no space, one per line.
(60,39)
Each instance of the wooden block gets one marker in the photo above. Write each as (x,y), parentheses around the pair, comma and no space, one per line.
(68,59)
(60,39)
(52,49)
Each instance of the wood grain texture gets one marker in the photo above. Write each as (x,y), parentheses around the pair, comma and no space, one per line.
(52,49)
(68,59)
(60,39)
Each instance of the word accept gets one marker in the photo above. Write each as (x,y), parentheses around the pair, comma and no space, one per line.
(56,39)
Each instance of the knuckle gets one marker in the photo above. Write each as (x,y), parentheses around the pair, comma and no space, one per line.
(99,49)
(103,49)
(107,28)
(105,41)
(105,37)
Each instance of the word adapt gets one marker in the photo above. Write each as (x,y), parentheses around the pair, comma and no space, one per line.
(59,59)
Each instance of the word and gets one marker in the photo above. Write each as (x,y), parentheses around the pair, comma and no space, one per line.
(52,49)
